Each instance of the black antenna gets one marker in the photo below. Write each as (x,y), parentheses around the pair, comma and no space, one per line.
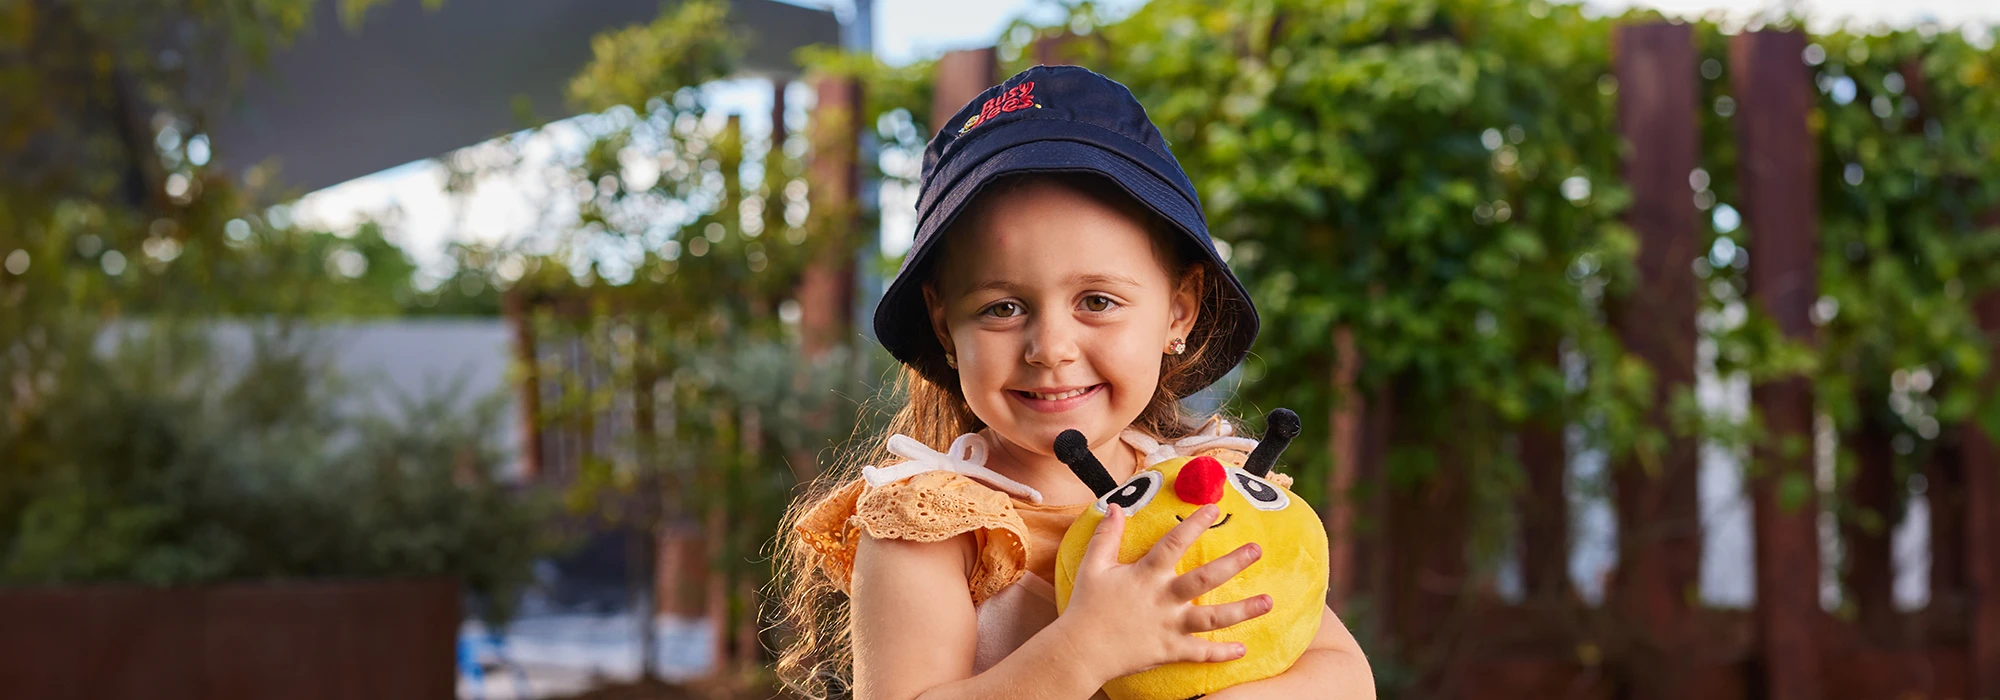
(1074,450)
(1279,429)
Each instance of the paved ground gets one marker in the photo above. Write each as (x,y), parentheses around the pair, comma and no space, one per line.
(559,655)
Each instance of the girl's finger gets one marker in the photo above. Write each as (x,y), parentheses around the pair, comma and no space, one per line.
(1102,550)
(1209,618)
(1198,650)
(1208,576)
(1168,550)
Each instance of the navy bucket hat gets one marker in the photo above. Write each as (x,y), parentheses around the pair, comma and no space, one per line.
(1054,119)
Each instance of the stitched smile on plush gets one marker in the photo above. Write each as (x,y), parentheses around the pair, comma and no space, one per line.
(1293,569)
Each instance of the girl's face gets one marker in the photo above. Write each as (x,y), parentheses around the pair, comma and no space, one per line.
(1058,308)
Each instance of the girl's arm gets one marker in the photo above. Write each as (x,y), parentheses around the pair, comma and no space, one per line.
(914,632)
(1333,667)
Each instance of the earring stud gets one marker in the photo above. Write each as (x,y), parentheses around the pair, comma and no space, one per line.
(951,360)
(1176,346)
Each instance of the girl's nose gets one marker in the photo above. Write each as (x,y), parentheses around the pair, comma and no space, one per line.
(1200,481)
(1053,345)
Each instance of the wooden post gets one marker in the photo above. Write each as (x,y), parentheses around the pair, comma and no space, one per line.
(826,288)
(1345,441)
(1779,174)
(1422,551)
(521,317)
(1869,574)
(778,131)
(1659,517)
(1544,510)
(1944,493)
(961,76)
(1981,475)
(1057,49)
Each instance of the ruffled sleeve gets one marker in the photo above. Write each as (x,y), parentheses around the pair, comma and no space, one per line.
(929,507)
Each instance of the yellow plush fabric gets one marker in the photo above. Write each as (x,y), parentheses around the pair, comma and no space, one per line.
(1293,571)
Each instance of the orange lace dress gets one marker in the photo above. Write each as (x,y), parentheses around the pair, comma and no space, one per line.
(934,496)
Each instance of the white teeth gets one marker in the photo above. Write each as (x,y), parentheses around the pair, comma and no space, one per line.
(1061,396)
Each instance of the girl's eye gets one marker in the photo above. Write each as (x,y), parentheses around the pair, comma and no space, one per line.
(1096,302)
(1005,309)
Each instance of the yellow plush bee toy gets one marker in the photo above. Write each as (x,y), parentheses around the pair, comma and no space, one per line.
(1293,569)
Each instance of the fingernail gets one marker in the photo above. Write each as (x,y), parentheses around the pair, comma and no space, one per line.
(1241,650)
(1256,552)
(1115,510)
(1209,511)
(1264,603)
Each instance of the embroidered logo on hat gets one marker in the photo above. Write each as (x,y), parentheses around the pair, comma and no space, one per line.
(1014,99)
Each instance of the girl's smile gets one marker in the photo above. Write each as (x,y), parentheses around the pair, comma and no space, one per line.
(1057,307)
(1057,399)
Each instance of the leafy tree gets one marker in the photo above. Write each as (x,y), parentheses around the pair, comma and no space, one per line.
(132,446)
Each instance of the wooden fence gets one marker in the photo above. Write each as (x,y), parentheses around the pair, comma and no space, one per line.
(1651,638)
(360,640)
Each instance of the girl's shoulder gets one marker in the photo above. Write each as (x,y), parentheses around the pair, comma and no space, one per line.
(930,496)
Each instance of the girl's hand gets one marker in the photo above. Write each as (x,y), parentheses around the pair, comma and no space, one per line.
(1137,616)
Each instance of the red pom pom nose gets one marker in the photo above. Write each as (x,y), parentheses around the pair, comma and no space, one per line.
(1200,481)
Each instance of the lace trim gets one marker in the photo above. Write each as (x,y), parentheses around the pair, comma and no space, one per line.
(935,496)
(1217,434)
(967,456)
(1217,438)
(931,506)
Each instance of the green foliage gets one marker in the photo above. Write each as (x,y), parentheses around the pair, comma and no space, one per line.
(1909,186)
(683,48)
(672,304)
(1442,178)
(166,461)
(132,448)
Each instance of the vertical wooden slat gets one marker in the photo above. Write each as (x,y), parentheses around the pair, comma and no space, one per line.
(520,319)
(1869,575)
(778,130)
(1423,552)
(961,76)
(1544,505)
(1779,175)
(1944,495)
(826,288)
(1345,442)
(1058,49)
(1371,550)
(1657,503)
(1981,476)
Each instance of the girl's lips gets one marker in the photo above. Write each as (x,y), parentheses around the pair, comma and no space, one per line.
(1033,401)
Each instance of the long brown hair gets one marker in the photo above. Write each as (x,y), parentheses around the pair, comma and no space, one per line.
(817,659)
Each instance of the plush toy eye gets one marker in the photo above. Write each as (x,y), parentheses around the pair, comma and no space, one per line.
(1261,494)
(1133,495)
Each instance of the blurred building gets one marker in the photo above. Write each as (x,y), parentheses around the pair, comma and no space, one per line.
(412,83)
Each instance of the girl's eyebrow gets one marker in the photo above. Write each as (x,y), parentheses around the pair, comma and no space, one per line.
(1079,280)
(1095,279)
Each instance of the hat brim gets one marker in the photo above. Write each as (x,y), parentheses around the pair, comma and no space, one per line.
(902,321)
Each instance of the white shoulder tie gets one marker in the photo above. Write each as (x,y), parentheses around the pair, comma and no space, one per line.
(1216,434)
(967,456)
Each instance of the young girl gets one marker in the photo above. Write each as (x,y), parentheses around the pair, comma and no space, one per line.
(1062,277)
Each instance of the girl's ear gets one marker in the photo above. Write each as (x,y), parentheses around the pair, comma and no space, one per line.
(935,307)
(1186,304)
